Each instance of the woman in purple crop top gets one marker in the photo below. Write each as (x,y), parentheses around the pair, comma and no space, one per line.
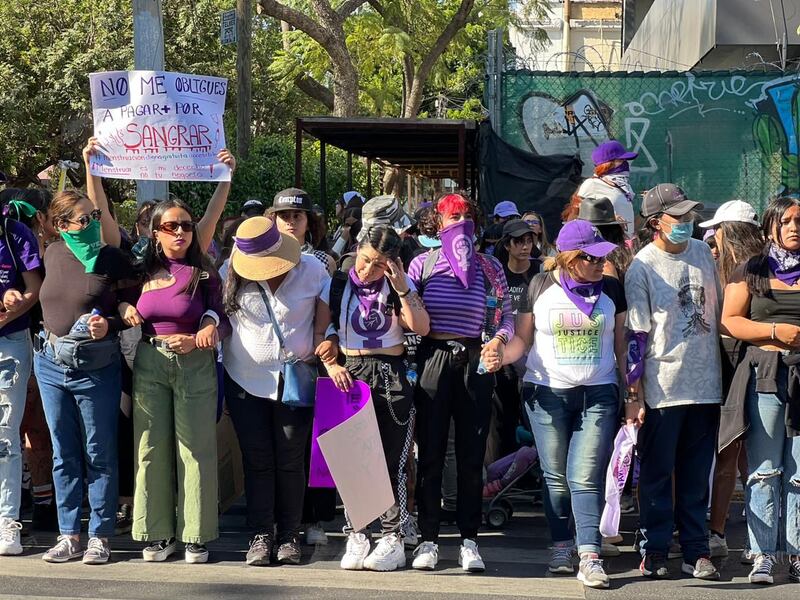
(175,390)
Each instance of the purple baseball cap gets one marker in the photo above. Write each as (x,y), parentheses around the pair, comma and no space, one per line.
(506,208)
(611,150)
(582,235)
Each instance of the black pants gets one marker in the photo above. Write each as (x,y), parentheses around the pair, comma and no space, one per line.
(506,411)
(450,387)
(394,429)
(272,438)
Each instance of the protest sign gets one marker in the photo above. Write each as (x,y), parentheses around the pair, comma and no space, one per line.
(158,125)
(353,452)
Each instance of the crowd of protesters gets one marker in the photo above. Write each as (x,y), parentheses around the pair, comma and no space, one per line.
(627,320)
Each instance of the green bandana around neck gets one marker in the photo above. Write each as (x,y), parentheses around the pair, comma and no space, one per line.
(85,244)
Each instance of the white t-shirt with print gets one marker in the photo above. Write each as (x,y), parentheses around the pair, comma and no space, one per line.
(570,349)
(379,329)
(676,300)
(252,354)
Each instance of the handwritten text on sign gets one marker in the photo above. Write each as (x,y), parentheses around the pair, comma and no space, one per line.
(159,125)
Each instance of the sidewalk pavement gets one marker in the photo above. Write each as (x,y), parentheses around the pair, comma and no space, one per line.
(516,560)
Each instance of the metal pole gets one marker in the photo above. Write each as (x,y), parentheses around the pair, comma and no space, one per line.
(244,54)
(349,171)
(369,178)
(462,157)
(323,179)
(498,86)
(148,55)
(298,153)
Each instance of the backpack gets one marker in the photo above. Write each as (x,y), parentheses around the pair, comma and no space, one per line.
(338,283)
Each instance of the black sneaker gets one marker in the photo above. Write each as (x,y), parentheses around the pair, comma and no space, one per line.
(159,551)
(654,566)
(260,550)
(289,552)
(794,570)
(196,553)
(124,520)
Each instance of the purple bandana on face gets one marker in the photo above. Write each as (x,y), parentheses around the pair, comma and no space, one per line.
(784,263)
(367,293)
(459,250)
(583,295)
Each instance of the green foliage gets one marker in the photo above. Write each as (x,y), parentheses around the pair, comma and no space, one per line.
(270,168)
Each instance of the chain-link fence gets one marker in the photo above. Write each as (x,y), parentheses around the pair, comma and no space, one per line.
(720,135)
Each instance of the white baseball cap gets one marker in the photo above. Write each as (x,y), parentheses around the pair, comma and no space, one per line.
(736,211)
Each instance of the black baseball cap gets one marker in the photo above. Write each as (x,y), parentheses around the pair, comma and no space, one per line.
(516,228)
(669,199)
(253,208)
(291,199)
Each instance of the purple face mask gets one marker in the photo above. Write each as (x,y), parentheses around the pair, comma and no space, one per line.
(459,250)
(621,169)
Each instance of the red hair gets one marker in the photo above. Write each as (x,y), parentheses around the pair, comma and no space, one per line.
(450,204)
(572,208)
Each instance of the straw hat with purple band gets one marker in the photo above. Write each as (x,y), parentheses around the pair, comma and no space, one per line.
(611,150)
(291,199)
(262,252)
(669,199)
(582,235)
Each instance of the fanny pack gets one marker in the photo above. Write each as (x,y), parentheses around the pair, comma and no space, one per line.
(83,353)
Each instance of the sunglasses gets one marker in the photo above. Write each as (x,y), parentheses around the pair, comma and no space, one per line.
(84,220)
(533,222)
(592,260)
(173,226)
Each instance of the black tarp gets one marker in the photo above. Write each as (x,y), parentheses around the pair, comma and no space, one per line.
(533,182)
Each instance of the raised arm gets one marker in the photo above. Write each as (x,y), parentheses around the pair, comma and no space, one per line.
(216,206)
(109,228)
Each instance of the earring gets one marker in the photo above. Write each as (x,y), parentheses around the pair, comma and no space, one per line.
(159,247)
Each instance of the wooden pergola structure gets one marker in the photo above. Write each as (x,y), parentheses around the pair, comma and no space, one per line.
(429,148)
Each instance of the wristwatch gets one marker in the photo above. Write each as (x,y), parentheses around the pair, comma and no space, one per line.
(631,397)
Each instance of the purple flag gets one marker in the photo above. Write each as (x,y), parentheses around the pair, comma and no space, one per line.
(332,408)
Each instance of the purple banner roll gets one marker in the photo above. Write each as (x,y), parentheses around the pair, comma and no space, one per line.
(331,408)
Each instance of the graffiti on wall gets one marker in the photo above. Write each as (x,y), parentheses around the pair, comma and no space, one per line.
(724,135)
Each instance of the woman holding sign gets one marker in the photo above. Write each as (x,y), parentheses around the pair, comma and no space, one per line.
(371,306)
(274,298)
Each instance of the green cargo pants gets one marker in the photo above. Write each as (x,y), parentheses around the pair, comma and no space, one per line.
(175,437)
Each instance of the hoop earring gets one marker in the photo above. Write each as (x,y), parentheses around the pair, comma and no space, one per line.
(159,247)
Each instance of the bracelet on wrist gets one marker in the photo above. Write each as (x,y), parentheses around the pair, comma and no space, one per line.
(772,333)
(404,294)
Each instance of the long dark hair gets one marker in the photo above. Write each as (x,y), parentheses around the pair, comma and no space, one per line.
(195,257)
(740,242)
(383,240)
(757,270)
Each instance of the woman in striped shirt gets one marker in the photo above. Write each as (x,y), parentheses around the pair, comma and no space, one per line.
(466,296)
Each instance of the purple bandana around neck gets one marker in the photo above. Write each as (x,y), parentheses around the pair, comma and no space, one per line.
(583,295)
(367,293)
(459,250)
(784,263)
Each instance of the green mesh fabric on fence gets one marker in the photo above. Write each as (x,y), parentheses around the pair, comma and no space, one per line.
(720,135)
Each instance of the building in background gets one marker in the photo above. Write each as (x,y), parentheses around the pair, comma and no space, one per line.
(678,35)
(581,35)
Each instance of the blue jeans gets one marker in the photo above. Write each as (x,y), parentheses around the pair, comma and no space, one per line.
(15,370)
(81,408)
(773,483)
(574,430)
(679,441)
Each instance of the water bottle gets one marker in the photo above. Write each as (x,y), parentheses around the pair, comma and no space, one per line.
(81,326)
(481,370)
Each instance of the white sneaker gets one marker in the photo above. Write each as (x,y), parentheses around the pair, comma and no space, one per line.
(315,535)
(10,544)
(426,556)
(717,546)
(469,558)
(356,552)
(389,554)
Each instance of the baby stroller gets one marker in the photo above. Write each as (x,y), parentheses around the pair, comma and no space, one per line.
(514,479)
